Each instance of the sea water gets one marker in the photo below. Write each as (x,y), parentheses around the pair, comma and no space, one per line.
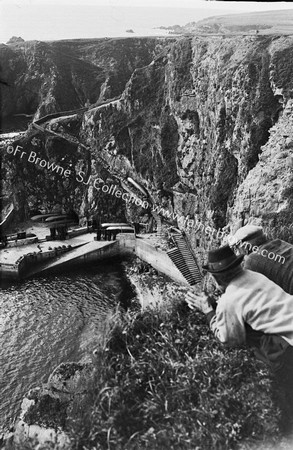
(45,321)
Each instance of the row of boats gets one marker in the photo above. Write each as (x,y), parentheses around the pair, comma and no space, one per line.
(52,220)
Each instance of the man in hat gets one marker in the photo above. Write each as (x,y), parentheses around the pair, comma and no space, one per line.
(248,298)
(272,258)
(253,310)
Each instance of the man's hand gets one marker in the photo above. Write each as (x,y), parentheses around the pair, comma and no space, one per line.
(196,301)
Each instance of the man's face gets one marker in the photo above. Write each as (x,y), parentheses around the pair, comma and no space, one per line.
(220,286)
(240,249)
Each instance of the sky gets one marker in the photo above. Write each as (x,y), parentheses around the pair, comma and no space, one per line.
(69,19)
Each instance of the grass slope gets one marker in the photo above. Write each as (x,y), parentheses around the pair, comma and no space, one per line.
(163,382)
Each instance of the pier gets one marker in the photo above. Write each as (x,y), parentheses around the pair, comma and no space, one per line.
(37,258)
(25,254)
(21,258)
(17,261)
(92,251)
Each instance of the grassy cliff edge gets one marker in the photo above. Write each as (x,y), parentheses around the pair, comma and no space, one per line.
(161,381)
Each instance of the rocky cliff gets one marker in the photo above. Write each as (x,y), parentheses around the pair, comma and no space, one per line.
(205,128)
(45,77)
(42,78)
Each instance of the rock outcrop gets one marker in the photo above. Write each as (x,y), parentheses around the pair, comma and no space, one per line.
(45,77)
(44,410)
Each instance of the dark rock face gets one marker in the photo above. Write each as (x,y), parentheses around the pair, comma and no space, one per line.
(46,77)
(14,40)
(198,115)
(193,127)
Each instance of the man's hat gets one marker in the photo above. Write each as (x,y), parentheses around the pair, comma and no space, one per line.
(222,259)
(249,233)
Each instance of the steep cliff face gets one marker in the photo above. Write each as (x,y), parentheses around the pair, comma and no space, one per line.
(205,128)
(194,121)
(45,77)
